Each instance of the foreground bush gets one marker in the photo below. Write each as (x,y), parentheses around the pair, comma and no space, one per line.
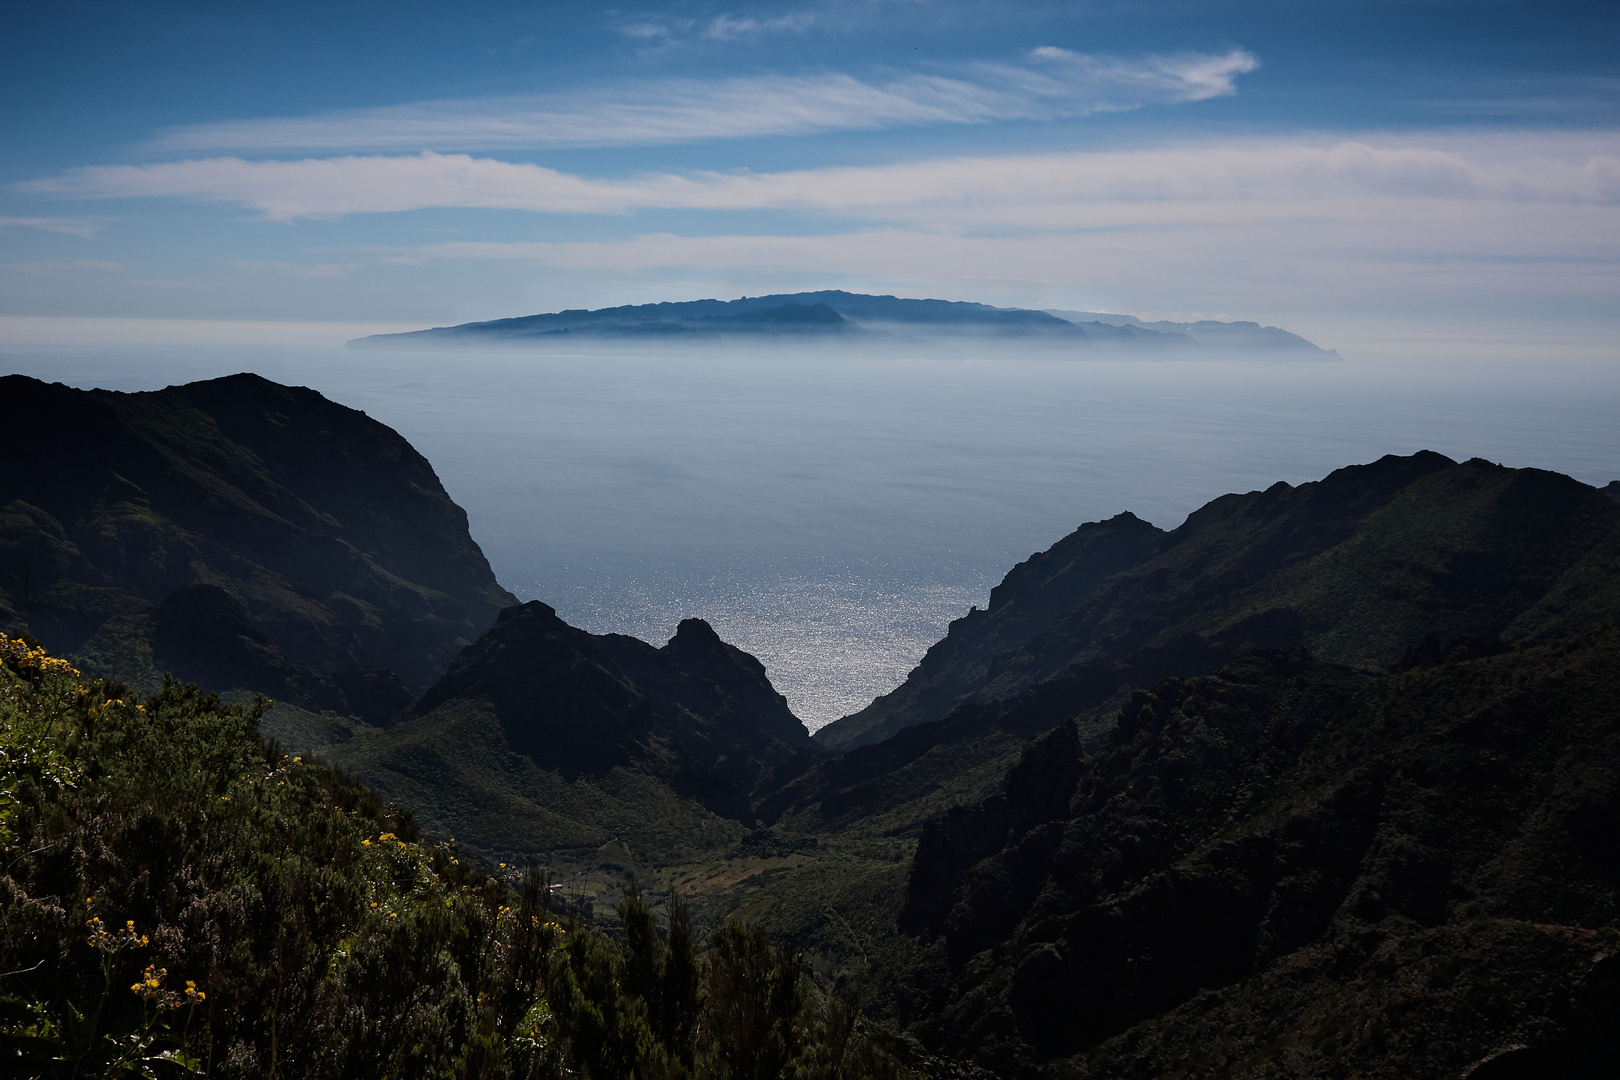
(177,896)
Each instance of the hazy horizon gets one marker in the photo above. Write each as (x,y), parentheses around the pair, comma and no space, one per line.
(832,513)
(1432,190)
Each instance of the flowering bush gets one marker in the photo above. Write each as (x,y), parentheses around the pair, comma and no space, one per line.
(179,896)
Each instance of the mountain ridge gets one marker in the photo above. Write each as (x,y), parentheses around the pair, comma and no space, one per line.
(239,533)
(1321,781)
(837,315)
(1212,333)
(1254,570)
(545,741)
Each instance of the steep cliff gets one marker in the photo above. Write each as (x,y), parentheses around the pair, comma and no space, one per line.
(238,533)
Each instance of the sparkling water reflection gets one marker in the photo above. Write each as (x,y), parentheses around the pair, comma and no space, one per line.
(833,514)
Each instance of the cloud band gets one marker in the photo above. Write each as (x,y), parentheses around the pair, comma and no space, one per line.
(1051,83)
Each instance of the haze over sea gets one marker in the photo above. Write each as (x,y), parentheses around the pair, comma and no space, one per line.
(832,514)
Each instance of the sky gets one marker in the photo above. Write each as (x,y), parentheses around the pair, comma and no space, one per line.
(1437,168)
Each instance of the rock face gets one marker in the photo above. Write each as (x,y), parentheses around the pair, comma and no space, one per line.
(547,741)
(238,533)
(1357,568)
(584,703)
(1256,850)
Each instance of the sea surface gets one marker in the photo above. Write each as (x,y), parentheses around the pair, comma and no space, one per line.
(832,514)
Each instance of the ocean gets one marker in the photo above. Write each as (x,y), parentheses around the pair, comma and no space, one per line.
(832,513)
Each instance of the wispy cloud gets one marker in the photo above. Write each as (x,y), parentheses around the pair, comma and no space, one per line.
(730,27)
(1051,83)
(315,270)
(1385,257)
(1261,179)
(69,226)
(644,30)
(664,31)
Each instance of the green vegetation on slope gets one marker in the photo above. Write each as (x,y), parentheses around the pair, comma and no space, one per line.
(1268,864)
(545,741)
(180,897)
(1292,868)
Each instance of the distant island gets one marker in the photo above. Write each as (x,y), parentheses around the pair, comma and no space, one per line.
(833,315)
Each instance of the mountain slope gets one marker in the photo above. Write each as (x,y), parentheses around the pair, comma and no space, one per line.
(545,740)
(182,898)
(239,533)
(1398,565)
(1029,598)
(1417,868)
(1358,567)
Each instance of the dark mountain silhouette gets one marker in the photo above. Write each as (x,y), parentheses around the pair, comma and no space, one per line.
(545,740)
(1357,567)
(1321,783)
(586,702)
(254,537)
(1291,861)
(1314,784)
(828,315)
(238,533)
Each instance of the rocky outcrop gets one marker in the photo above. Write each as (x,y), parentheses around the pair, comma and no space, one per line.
(546,741)
(579,702)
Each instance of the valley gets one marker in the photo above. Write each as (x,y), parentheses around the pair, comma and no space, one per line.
(1326,766)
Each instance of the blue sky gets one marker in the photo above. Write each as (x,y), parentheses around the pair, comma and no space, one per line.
(1308,163)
